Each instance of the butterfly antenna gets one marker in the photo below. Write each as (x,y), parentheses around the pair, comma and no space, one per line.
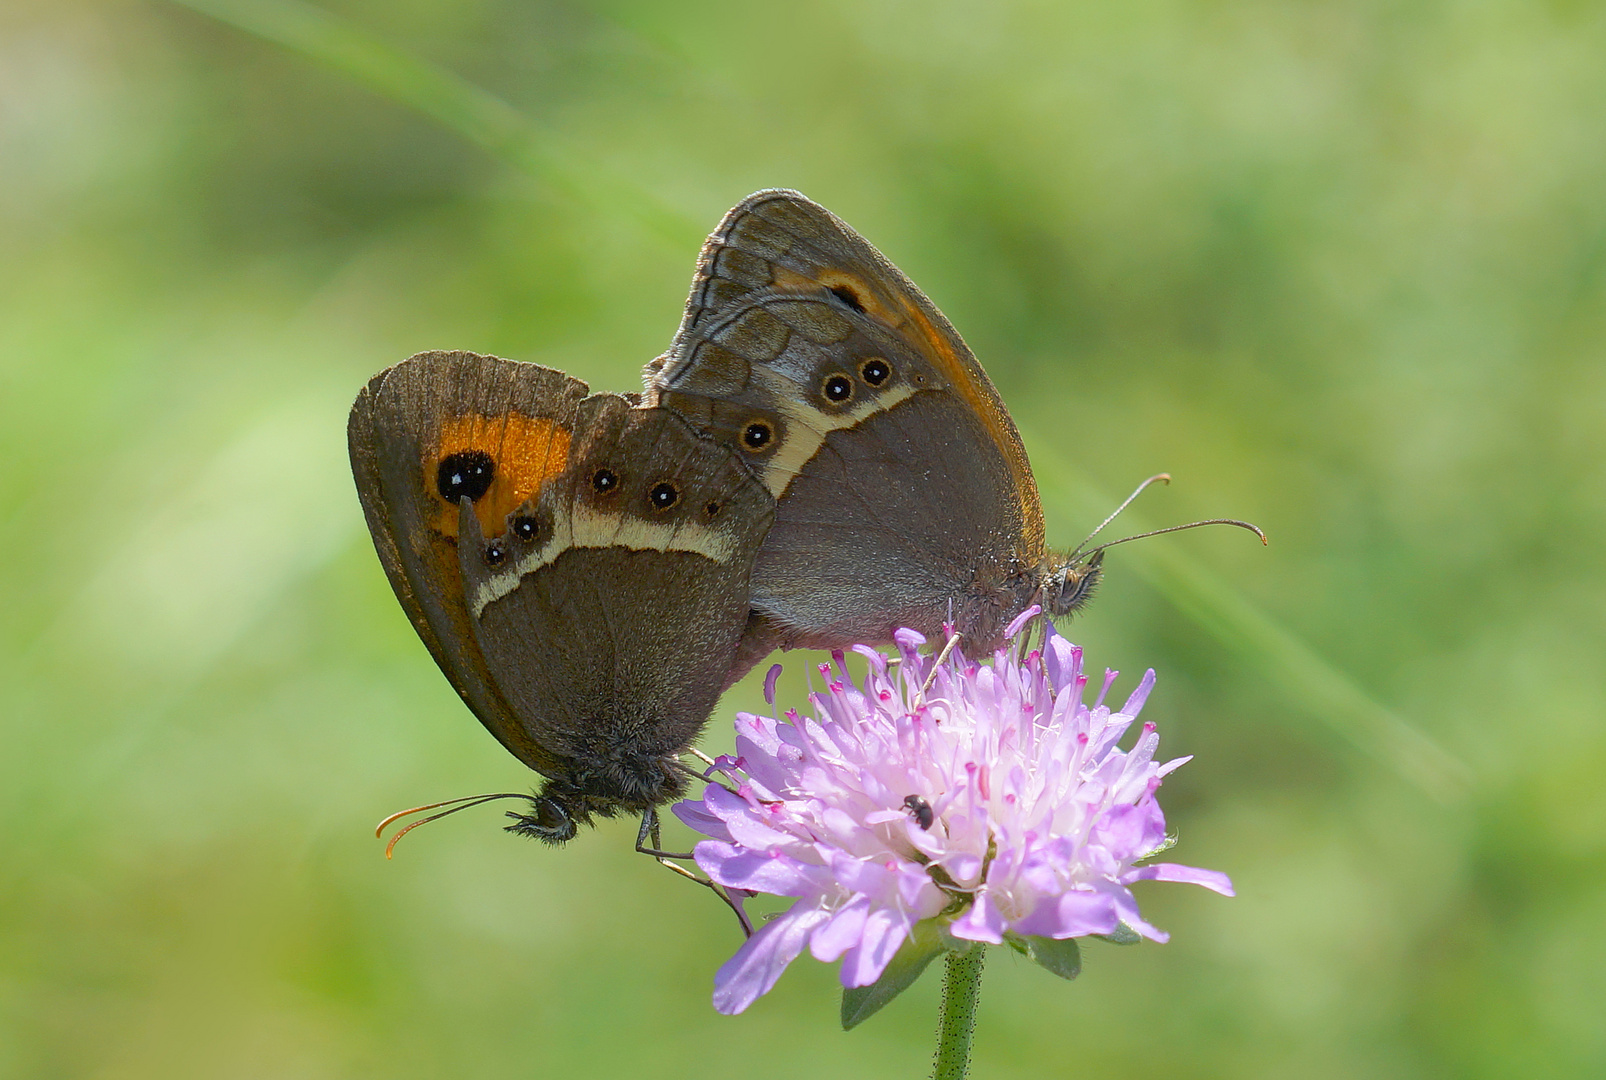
(1157,478)
(1178,528)
(456,804)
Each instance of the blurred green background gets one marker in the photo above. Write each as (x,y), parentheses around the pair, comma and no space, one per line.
(1337,267)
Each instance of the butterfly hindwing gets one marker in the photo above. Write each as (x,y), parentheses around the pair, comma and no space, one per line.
(904,495)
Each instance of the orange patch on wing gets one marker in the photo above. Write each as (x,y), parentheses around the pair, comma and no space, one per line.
(836,279)
(527,452)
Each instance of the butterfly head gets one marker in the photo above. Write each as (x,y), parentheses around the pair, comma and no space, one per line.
(547,821)
(600,783)
(1070,585)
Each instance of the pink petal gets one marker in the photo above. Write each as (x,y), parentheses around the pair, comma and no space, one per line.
(841,932)
(1070,914)
(983,922)
(1130,832)
(1134,704)
(876,659)
(749,974)
(1021,620)
(725,804)
(751,831)
(1214,880)
(1063,661)
(745,868)
(1173,765)
(963,867)
(697,817)
(883,932)
(1127,908)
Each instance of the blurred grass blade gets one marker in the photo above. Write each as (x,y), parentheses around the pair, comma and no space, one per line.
(1277,652)
(470,111)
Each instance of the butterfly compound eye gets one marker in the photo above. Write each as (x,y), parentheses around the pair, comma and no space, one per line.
(467,472)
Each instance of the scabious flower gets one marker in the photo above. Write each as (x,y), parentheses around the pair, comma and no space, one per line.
(992,802)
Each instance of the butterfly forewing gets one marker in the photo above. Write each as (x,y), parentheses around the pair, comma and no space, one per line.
(406,423)
(577,566)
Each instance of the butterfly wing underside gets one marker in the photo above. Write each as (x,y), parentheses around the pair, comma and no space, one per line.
(587,625)
(611,626)
(417,413)
(904,493)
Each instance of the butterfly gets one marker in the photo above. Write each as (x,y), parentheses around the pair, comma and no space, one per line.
(904,497)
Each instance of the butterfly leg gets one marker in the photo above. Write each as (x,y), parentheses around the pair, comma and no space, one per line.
(649,831)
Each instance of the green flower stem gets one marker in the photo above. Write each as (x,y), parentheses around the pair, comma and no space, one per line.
(961,990)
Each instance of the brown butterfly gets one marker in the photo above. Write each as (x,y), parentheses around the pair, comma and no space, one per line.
(903,493)
(577,565)
(818,460)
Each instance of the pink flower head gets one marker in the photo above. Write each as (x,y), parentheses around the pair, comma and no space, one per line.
(995,799)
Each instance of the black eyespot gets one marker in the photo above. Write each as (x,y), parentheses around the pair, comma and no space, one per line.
(875,371)
(663,496)
(604,481)
(848,297)
(467,472)
(837,389)
(924,816)
(711,509)
(495,553)
(525,528)
(758,435)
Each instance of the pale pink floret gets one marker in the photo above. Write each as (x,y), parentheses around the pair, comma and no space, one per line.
(1010,761)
